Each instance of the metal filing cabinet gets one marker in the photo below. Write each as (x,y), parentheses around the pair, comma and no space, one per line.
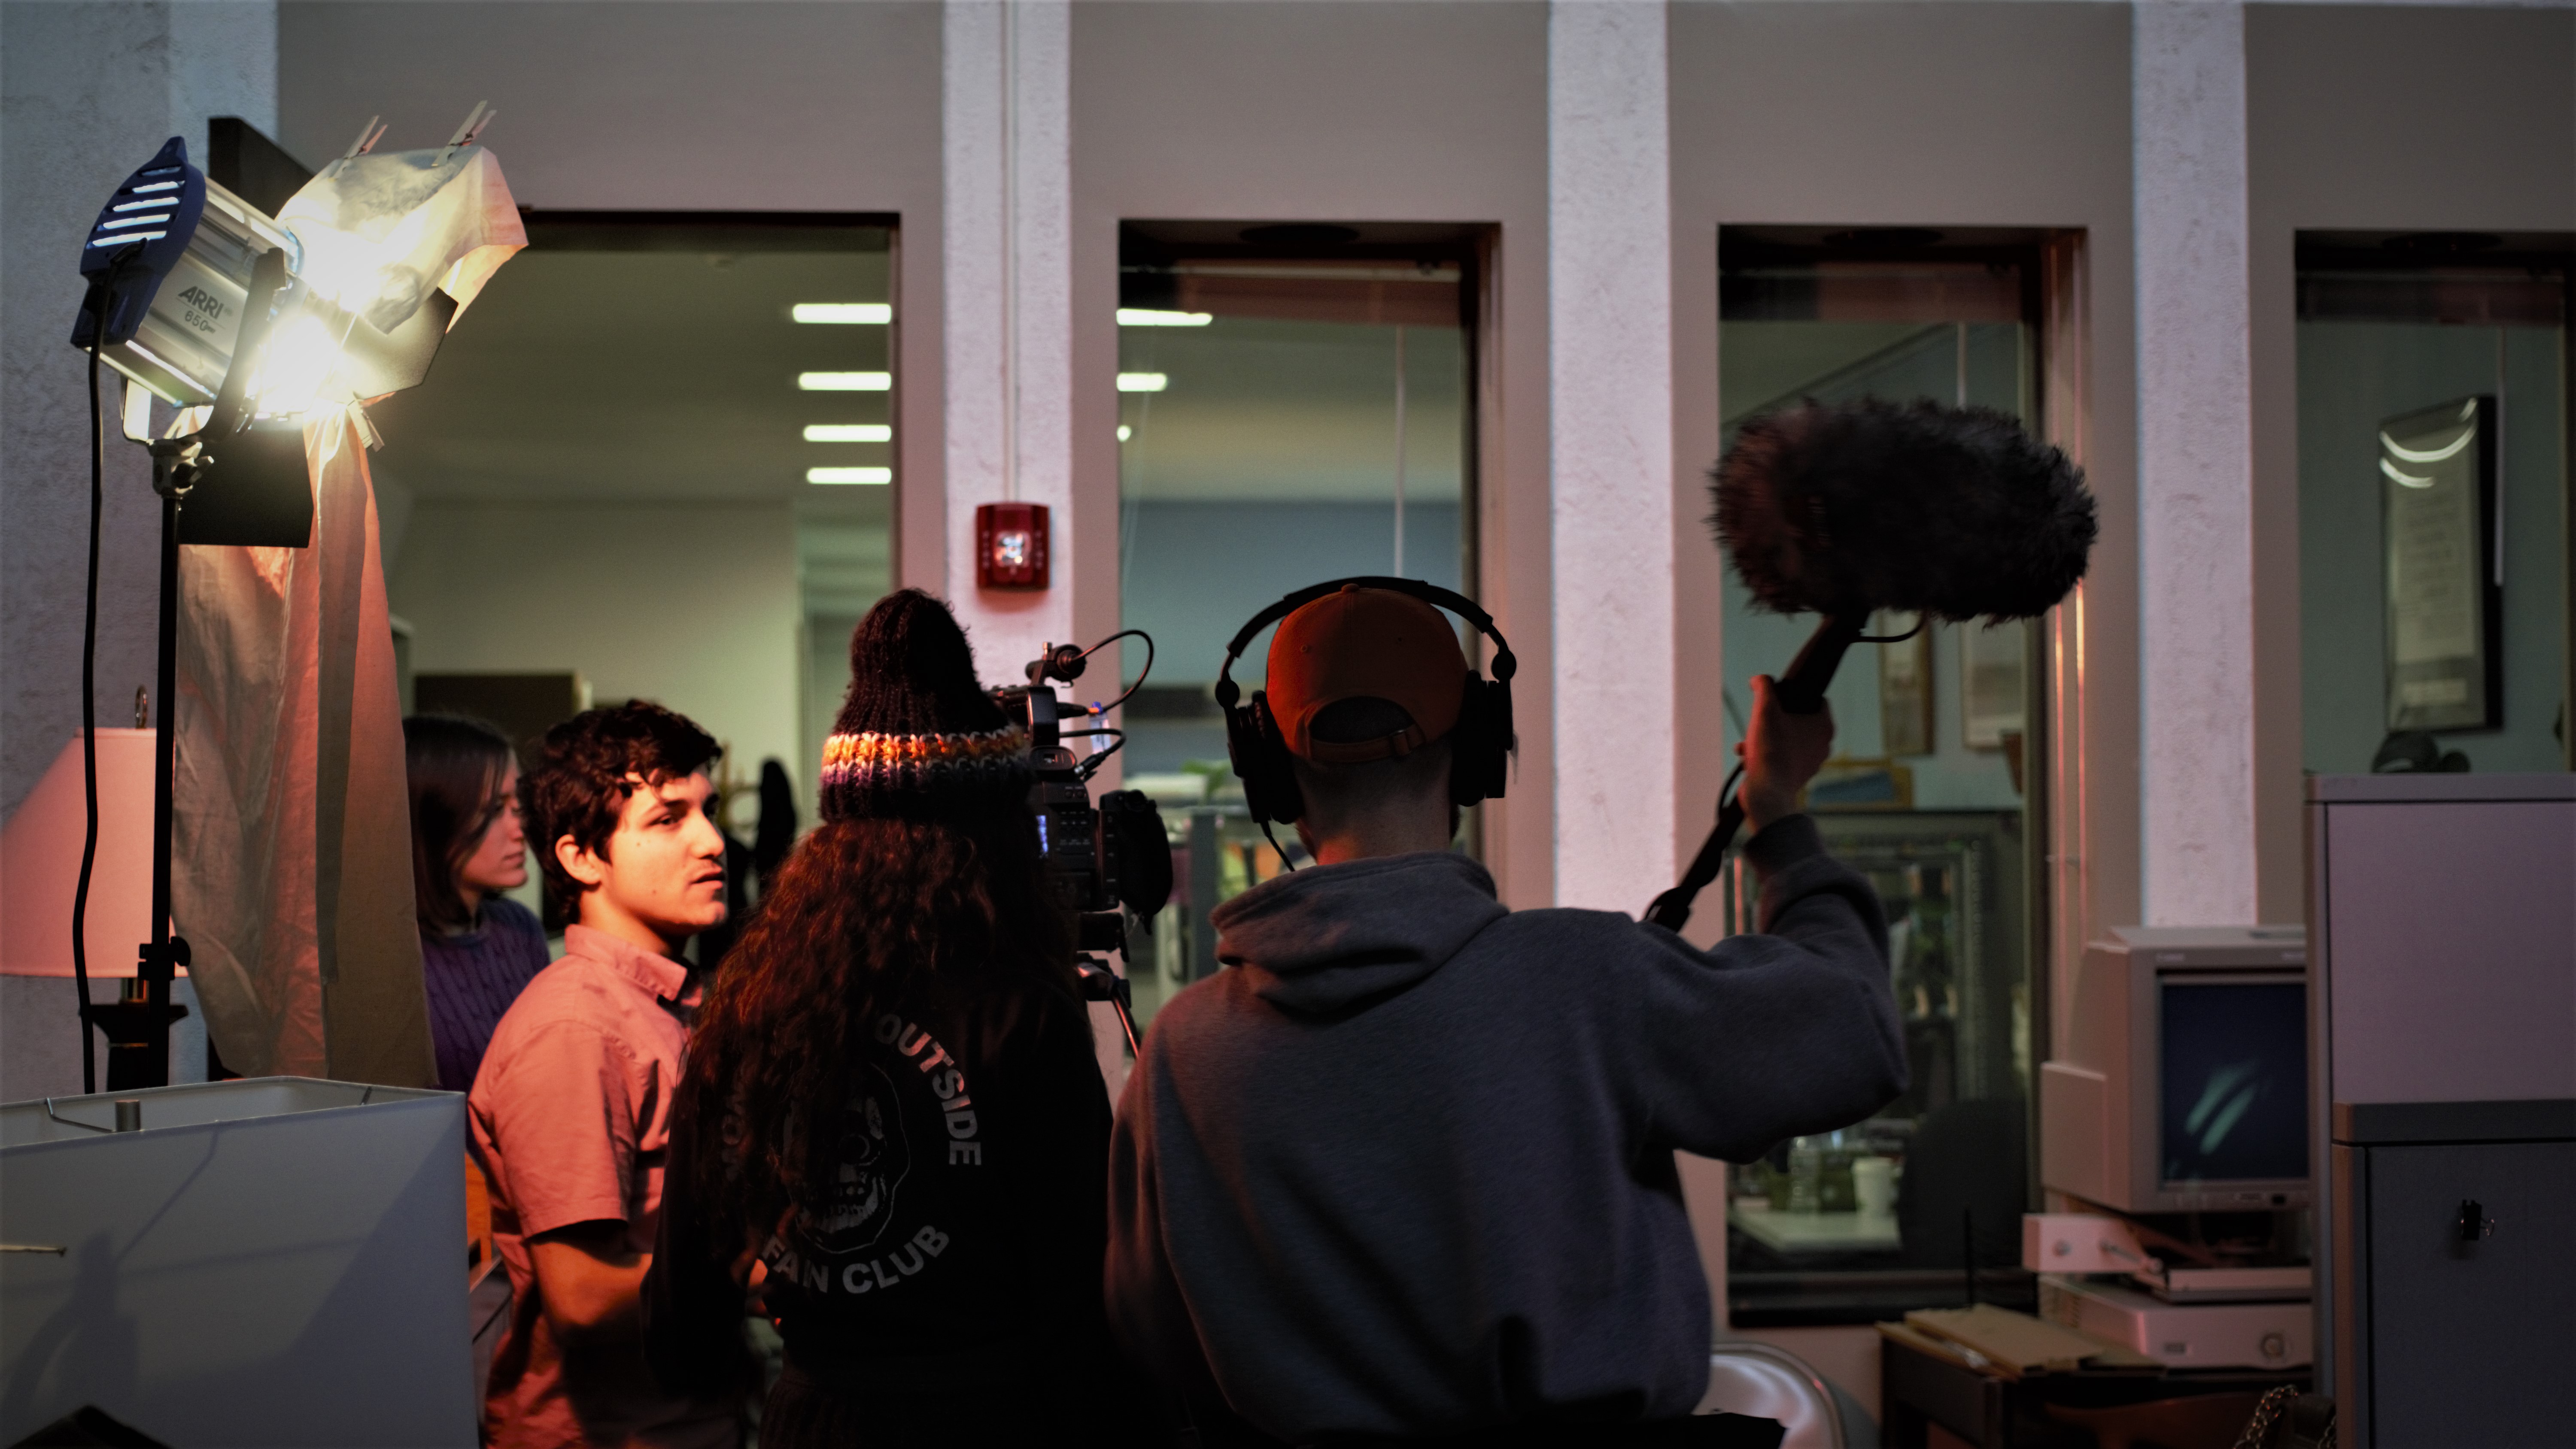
(2442,941)
(2456,1248)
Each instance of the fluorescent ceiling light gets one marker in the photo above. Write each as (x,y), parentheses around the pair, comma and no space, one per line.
(849,433)
(875,314)
(849,475)
(845,381)
(1142,381)
(1154,317)
(1125,432)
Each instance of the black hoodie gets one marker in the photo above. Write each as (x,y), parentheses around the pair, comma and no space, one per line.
(1408,1168)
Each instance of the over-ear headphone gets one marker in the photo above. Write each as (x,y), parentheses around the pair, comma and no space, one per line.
(1480,745)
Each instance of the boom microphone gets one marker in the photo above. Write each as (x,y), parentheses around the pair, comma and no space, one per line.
(1847,508)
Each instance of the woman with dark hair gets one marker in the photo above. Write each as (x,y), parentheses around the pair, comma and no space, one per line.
(477,948)
(893,1125)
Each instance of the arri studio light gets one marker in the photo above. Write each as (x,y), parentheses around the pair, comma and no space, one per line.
(258,331)
(210,305)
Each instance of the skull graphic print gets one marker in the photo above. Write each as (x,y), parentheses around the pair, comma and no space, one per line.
(874,1155)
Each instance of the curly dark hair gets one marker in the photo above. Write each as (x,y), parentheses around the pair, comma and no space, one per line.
(586,768)
(455,767)
(938,914)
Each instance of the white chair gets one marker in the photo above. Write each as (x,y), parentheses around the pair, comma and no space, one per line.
(1763,1382)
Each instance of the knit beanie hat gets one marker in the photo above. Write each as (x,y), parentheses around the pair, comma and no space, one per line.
(917,735)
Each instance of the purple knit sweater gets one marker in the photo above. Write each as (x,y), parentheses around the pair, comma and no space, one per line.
(472,979)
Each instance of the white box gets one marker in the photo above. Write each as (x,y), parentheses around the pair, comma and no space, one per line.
(278,1262)
(2079,1243)
(2183,1335)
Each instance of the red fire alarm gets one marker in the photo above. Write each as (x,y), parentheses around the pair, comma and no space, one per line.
(1011,546)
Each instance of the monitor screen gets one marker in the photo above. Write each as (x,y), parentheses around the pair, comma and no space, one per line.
(2234,1080)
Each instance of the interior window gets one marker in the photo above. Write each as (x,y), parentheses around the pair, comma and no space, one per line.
(2433,518)
(1925,796)
(1286,416)
(641,401)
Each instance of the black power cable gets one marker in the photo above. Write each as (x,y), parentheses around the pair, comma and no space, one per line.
(1092,762)
(89,690)
(1104,709)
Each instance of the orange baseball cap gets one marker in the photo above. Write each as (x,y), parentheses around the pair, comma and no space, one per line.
(1365,644)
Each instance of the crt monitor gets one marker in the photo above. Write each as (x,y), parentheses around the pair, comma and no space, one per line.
(2180,1082)
(2231,1080)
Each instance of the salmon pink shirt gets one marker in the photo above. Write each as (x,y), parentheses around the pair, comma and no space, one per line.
(570,1116)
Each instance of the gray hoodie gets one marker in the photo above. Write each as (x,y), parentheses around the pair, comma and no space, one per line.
(1408,1168)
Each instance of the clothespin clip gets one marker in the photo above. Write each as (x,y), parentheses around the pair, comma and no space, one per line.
(475,120)
(366,427)
(368,135)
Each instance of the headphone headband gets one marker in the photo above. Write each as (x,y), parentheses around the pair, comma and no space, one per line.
(1505,665)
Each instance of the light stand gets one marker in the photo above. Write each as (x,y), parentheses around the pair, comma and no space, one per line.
(137,1027)
(138,1031)
(196,298)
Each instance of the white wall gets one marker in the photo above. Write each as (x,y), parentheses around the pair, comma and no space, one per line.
(91,91)
(1611,522)
(1269,111)
(2486,141)
(1915,115)
(2194,508)
(1898,114)
(491,588)
(88,93)
(637,105)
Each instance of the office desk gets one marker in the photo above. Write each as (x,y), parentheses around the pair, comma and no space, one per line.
(1791,1233)
(1931,1400)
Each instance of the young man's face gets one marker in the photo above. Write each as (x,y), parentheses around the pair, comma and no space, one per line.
(663,870)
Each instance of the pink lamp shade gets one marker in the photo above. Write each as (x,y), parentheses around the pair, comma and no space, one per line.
(40,856)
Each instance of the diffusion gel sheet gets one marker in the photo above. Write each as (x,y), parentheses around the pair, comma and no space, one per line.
(291,876)
(380,233)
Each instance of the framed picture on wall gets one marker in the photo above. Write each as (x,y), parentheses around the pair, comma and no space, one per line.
(2445,605)
(1991,669)
(1904,685)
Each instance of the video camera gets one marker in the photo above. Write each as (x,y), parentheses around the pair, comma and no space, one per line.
(1109,860)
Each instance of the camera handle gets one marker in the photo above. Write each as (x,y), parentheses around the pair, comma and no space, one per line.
(1800,690)
(1099,983)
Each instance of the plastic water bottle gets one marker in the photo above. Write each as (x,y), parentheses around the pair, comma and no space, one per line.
(1807,1175)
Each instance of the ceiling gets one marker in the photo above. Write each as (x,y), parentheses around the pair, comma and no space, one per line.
(643,376)
(1276,411)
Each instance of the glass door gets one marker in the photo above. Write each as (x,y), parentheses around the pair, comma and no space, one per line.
(1927,795)
(656,467)
(1294,406)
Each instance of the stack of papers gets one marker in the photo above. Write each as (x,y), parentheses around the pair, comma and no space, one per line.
(2011,1345)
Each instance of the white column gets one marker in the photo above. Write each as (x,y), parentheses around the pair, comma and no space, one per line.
(2195,463)
(1007,292)
(92,91)
(1610,388)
